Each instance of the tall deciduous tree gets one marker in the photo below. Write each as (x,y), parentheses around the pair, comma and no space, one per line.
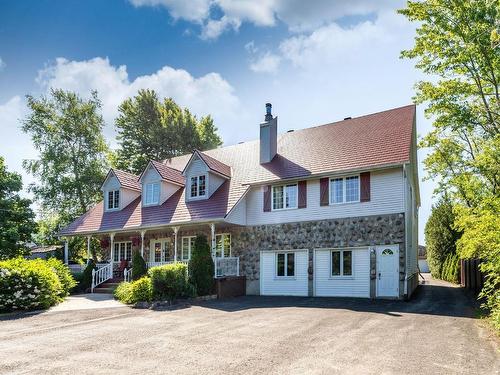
(150,129)
(66,130)
(16,217)
(457,44)
(440,236)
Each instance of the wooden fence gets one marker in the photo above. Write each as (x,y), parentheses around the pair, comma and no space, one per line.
(470,276)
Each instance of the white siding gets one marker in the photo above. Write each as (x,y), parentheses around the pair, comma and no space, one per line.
(387,196)
(411,225)
(166,191)
(356,286)
(127,196)
(111,183)
(214,181)
(238,214)
(271,285)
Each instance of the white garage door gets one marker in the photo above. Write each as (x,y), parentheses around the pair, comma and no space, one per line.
(342,272)
(284,273)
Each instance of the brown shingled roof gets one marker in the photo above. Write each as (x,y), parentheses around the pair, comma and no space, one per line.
(127,180)
(168,173)
(367,142)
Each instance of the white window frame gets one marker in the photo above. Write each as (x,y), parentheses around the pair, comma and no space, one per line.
(222,239)
(164,242)
(344,189)
(113,192)
(286,253)
(120,250)
(190,247)
(341,276)
(198,196)
(284,186)
(146,188)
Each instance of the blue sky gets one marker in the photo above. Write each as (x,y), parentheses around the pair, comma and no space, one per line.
(317,61)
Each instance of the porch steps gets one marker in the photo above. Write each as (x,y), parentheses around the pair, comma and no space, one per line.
(107,287)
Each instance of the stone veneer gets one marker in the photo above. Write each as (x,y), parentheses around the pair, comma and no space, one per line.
(247,242)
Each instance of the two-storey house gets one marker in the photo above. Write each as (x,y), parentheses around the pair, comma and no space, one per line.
(329,210)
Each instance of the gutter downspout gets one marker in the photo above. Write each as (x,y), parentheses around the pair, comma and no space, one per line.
(405,292)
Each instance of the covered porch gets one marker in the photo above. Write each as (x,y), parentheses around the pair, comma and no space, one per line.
(159,246)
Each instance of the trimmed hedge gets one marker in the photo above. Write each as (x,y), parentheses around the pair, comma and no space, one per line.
(170,282)
(451,268)
(136,291)
(32,284)
(201,267)
(139,268)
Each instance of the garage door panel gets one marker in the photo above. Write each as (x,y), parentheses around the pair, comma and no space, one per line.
(356,286)
(273,285)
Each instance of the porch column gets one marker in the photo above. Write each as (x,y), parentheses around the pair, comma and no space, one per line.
(88,249)
(143,233)
(176,230)
(66,252)
(212,232)
(112,238)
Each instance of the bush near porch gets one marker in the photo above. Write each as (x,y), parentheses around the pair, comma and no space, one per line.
(33,284)
(167,282)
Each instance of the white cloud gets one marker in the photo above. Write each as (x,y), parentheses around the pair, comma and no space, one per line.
(192,10)
(2,64)
(267,63)
(298,15)
(208,94)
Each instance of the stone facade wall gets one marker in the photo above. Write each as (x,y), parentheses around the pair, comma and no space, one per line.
(247,242)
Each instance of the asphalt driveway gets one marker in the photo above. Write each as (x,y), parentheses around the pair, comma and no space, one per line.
(436,333)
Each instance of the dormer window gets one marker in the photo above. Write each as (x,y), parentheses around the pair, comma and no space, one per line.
(198,186)
(113,199)
(152,193)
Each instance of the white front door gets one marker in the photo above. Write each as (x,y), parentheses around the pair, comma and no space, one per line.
(388,271)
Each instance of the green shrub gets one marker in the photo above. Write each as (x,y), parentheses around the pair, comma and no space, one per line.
(78,277)
(139,268)
(170,281)
(28,284)
(451,268)
(136,291)
(201,267)
(86,282)
(64,274)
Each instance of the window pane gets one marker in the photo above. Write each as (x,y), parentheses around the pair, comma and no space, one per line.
(335,263)
(336,190)
(277,197)
(347,258)
(352,189)
(227,245)
(194,186)
(202,188)
(168,251)
(156,192)
(129,251)
(291,196)
(218,245)
(281,265)
(110,200)
(185,248)
(290,264)
(117,199)
(157,251)
(116,252)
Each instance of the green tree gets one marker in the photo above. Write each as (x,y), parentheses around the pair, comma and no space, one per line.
(201,267)
(457,44)
(66,130)
(440,236)
(16,217)
(149,129)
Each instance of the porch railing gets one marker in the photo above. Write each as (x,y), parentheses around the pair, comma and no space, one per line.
(127,274)
(227,266)
(101,275)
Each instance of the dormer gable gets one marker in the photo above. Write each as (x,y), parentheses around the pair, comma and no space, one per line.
(159,182)
(119,189)
(204,174)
